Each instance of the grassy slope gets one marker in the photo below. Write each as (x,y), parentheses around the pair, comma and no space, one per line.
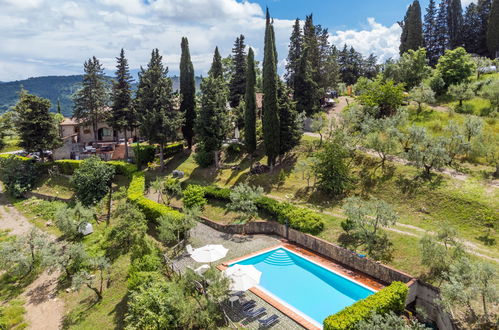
(83,310)
(462,204)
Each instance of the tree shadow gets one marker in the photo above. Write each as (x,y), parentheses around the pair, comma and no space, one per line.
(119,312)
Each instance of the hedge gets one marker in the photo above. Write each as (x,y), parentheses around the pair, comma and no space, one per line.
(68,166)
(392,298)
(145,154)
(151,209)
(301,219)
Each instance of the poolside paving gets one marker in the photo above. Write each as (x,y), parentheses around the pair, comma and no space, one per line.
(238,246)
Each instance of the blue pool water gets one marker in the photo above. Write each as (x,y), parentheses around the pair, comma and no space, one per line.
(306,286)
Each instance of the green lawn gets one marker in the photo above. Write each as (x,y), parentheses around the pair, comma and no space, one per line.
(11,144)
(55,186)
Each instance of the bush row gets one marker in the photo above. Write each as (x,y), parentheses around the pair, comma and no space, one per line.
(68,166)
(145,154)
(298,218)
(151,209)
(392,298)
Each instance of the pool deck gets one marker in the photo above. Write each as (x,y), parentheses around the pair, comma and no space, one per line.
(325,262)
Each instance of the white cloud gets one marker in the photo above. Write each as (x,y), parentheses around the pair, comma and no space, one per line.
(382,41)
(41,37)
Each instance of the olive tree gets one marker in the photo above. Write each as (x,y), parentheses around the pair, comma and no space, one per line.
(461,92)
(19,256)
(85,278)
(472,127)
(422,94)
(71,220)
(172,229)
(470,293)
(428,153)
(491,93)
(363,225)
(243,201)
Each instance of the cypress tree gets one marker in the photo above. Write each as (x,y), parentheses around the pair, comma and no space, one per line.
(159,121)
(483,8)
(270,105)
(250,104)
(290,121)
(212,122)
(471,29)
(216,70)
(306,92)
(455,23)
(122,116)
(188,92)
(493,30)
(237,86)
(59,111)
(295,50)
(91,99)
(412,29)
(430,33)
(442,29)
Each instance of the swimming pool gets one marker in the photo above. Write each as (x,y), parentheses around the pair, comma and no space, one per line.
(304,286)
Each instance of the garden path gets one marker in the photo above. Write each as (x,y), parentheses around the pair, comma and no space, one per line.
(44,311)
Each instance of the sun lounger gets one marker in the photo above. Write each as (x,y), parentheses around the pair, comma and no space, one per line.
(249,306)
(254,313)
(268,321)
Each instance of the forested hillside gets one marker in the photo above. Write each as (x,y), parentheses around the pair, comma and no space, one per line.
(52,88)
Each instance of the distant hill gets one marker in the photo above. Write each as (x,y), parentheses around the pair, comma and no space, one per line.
(52,88)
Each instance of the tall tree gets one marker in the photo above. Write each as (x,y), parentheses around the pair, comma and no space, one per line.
(471,29)
(216,70)
(270,105)
(237,86)
(442,28)
(493,30)
(412,29)
(159,121)
(250,105)
(36,127)
(59,111)
(294,54)
(306,94)
(212,122)
(122,115)
(290,121)
(430,33)
(483,8)
(188,92)
(90,101)
(455,23)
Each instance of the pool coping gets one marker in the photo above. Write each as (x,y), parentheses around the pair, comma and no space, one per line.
(310,256)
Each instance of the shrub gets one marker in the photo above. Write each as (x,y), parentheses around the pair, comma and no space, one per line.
(151,209)
(68,166)
(19,174)
(204,158)
(123,168)
(92,180)
(144,154)
(300,219)
(194,197)
(390,299)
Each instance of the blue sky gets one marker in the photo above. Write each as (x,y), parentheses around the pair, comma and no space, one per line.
(55,37)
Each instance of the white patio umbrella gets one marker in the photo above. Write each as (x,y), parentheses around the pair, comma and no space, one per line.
(209,253)
(243,277)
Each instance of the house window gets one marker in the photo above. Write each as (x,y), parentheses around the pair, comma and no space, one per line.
(107,132)
(86,131)
(76,129)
